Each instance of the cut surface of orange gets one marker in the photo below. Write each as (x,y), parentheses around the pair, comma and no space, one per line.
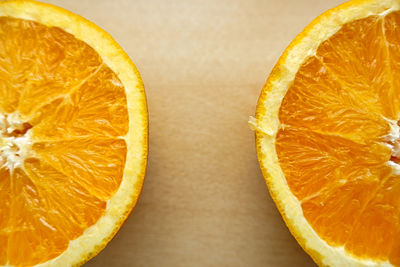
(73,136)
(328,135)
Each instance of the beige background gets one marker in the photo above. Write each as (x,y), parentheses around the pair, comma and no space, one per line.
(204,201)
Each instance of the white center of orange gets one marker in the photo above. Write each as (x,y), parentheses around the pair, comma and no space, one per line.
(15,141)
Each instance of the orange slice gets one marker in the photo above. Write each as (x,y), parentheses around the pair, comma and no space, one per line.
(73,136)
(328,135)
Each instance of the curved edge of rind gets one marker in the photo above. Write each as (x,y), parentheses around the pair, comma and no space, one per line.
(315,255)
(138,186)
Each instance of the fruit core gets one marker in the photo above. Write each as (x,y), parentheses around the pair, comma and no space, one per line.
(393,142)
(15,141)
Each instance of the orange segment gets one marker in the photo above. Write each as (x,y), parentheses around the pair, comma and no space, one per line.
(72,155)
(15,64)
(5,195)
(391,24)
(62,63)
(382,215)
(95,164)
(334,160)
(72,219)
(319,102)
(31,236)
(42,223)
(100,101)
(48,62)
(359,49)
(395,251)
(342,204)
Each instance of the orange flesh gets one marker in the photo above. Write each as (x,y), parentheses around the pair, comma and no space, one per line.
(334,144)
(73,109)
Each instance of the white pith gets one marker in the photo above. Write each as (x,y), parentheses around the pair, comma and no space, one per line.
(13,149)
(393,142)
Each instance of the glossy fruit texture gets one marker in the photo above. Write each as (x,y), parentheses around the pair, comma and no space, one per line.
(338,144)
(63,116)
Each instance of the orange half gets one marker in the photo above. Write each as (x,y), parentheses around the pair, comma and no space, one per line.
(328,135)
(73,136)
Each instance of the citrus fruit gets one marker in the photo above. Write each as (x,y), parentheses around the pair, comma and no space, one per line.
(73,145)
(328,135)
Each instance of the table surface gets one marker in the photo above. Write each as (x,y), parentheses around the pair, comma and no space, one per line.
(203,63)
